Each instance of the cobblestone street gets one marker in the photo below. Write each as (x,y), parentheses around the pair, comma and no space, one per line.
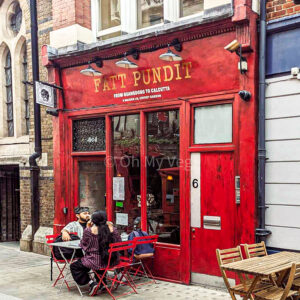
(26,276)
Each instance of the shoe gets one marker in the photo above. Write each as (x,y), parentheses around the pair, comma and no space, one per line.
(93,287)
(119,276)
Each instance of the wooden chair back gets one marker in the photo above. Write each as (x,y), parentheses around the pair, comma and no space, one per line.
(255,250)
(227,256)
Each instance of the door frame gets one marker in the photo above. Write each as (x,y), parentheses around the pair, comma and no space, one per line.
(75,175)
(222,98)
(142,109)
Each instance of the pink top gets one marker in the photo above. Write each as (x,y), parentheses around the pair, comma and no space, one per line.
(90,246)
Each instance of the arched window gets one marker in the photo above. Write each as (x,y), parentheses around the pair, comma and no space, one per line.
(9,95)
(16,18)
(25,90)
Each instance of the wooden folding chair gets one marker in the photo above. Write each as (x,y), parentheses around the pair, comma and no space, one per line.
(140,267)
(277,293)
(122,268)
(255,250)
(231,255)
(296,282)
(259,250)
(60,263)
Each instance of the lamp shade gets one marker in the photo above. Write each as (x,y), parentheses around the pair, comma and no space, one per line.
(90,71)
(126,64)
(170,56)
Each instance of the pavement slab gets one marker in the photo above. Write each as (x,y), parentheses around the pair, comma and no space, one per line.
(26,276)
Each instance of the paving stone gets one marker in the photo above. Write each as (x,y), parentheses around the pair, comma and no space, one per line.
(26,276)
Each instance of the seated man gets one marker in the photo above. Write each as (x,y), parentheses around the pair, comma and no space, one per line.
(83,216)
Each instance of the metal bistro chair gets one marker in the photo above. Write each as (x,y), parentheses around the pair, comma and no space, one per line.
(232,255)
(140,267)
(60,263)
(122,268)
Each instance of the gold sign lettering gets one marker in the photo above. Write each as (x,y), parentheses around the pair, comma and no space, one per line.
(167,73)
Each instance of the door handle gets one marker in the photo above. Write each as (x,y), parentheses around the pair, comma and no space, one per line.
(193,230)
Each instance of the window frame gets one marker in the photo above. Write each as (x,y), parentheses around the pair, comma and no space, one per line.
(129,17)
(192,132)
(194,125)
(99,33)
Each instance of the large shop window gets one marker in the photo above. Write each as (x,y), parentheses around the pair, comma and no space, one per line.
(150,12)
(163,175)
(92,185)
(213,124)
(190,7)
(126,180)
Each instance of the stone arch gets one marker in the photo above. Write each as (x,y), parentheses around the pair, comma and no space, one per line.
(6,10)
(19,93)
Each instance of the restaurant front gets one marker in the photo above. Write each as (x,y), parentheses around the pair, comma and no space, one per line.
(169,141)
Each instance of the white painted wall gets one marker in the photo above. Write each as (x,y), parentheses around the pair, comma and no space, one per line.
(283,162)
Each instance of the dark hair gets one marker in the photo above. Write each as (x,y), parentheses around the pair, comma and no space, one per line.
(104,235)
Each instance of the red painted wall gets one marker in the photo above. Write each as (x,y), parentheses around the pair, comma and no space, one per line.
(205,68)
(207,73)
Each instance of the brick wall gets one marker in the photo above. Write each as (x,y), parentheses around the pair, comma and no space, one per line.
(46,184)
(281,8)
(70,12)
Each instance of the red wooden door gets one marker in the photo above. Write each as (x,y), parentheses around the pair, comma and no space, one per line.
(214,185)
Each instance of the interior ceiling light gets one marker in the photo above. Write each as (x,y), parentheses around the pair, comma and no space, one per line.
(90,71)
(170,56)
(126,63)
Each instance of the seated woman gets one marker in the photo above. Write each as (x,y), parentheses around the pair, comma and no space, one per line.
(95,244)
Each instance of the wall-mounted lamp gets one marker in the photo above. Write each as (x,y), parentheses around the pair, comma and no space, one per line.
(90,71)
(236,47)
(126,63)
(170,55)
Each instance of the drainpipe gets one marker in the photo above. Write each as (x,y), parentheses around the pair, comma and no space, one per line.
(261,231)
(34,168)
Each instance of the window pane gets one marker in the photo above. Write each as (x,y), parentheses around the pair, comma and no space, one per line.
(92,186)
(9,96)
(190,7)
(213,124)
(126,184)
(89,135)
(163,175)
(109,14)
(150,12)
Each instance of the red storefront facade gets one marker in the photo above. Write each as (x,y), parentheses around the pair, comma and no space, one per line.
(166,141)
